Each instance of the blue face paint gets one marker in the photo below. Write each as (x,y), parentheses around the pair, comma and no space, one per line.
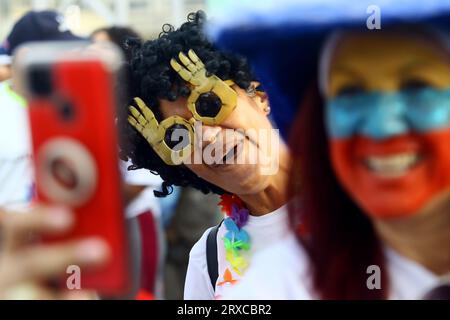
(381,115)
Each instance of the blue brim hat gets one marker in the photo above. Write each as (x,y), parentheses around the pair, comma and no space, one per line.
(38,26)
(282,39)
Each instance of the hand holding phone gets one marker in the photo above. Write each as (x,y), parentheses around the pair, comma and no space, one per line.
(40,262)
(72,102)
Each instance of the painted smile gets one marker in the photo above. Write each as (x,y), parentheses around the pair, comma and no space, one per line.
(393,165)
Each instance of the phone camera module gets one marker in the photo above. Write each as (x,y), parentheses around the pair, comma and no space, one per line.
(40,81)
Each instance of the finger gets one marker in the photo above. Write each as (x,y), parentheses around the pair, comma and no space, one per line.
(177,67)
(27,291)
(148,133)
(130,114)
(184,74)
(187,62)
(135,124)
(43,262)
(40,219)
(149,115)
(33,291)
(195,59)
(78,295)
(138,116)
(16,227)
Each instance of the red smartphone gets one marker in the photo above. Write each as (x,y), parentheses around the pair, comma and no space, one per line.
(71,95)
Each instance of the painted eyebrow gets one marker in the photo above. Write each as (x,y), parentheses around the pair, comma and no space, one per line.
(405,69)
(357,79)
(347,70)
(420,62)
(414,64)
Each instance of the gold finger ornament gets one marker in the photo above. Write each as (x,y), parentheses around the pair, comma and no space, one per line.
(172,139)
(211,100)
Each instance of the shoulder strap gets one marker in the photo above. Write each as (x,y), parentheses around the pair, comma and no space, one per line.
(211,255)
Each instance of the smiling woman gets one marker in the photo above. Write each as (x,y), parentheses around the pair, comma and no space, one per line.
(370,175)
(189,95)
(388,120)
(155,82)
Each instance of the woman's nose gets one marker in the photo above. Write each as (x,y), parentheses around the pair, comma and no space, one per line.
(386,118)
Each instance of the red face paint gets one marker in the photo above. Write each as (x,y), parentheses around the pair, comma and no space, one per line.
(394,177)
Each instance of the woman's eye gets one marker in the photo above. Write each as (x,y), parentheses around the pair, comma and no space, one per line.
(350,90)
(414,84)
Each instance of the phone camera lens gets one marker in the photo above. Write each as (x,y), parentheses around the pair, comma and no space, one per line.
(66,110)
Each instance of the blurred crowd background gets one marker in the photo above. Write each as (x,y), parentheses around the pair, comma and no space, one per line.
(178,227)
(344,218)
(85,16)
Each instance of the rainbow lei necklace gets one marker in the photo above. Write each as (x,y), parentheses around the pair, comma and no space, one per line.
(236,240)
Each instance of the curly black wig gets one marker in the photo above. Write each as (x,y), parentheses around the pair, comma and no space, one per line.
(151,78)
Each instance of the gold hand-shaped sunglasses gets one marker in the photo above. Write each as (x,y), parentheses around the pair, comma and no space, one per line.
(211,101)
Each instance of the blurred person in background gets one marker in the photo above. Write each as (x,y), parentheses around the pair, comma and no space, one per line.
(117,35)
(5,65)
(16,185)
(371,175)
(145,210)
(253,202)
(192,214)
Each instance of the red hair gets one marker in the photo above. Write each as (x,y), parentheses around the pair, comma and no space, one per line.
(338,236)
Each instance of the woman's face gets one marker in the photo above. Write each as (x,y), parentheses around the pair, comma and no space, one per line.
(101,36)
(388,121)
(242,173)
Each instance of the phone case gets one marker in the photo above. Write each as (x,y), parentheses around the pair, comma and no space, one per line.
(76,157)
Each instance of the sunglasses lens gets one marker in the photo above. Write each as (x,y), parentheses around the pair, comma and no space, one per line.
(177,137)
(208,105)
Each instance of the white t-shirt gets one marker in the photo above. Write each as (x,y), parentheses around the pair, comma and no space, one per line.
(280,273)
(263,231)
(16,175)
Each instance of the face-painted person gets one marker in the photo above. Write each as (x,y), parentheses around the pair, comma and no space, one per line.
(198,119)
(371,151)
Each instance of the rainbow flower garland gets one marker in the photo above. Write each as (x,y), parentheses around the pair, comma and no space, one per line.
(236,239)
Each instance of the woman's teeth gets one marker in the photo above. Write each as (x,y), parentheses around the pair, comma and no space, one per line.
(392,166)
